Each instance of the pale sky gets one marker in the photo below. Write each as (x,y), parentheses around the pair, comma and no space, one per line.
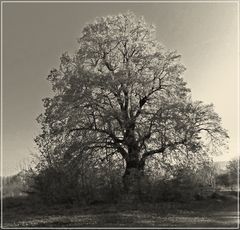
(36,34)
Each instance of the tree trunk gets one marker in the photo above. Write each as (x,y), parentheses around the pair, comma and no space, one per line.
(133,173)
(134,166)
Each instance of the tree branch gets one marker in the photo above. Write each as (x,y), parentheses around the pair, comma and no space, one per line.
(162,149)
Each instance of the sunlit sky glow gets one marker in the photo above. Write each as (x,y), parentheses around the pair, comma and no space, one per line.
(36,34)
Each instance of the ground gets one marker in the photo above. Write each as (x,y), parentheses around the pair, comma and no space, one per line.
(205,213)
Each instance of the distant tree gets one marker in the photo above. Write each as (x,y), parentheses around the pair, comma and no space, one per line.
(122,94)
(223,179)
(233,171)
(13,185)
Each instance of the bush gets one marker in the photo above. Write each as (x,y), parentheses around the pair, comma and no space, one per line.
(54,186)
(94,183)
(184,186)
(223,179)
(87,184)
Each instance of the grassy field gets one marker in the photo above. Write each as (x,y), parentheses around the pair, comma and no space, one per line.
(207,213)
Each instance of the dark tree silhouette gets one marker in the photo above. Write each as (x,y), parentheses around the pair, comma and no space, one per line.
(122,93)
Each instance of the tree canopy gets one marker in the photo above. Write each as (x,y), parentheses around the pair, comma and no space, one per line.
(123,93)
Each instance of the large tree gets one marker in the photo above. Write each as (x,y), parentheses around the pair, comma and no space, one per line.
(122,93)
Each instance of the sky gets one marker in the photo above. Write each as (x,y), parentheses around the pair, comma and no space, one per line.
(34,35)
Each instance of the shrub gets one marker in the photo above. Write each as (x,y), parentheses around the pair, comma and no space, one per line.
(54,186)
(83,185)
(183,186)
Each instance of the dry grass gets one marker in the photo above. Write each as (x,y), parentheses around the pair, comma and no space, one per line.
(22,212)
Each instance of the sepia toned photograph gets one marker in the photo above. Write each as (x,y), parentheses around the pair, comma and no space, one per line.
(120,114)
